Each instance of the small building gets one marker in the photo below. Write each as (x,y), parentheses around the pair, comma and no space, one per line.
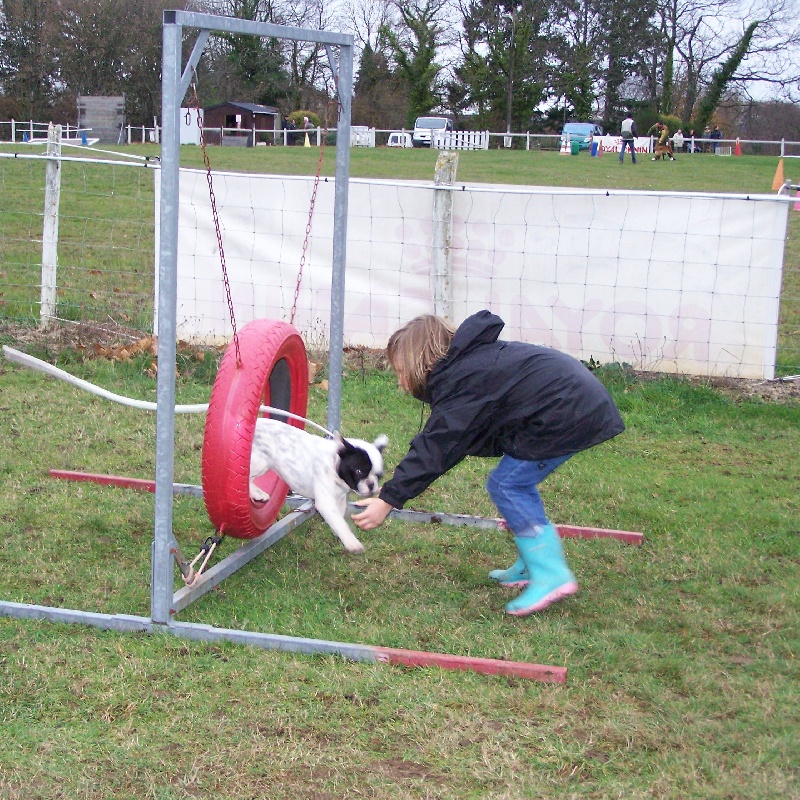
(103,117)
(242,124)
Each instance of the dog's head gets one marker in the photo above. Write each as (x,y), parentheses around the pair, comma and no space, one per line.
(361,463)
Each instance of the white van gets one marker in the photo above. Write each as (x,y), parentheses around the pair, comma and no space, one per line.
(425,127)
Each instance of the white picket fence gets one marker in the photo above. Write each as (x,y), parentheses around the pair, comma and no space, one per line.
(461,140)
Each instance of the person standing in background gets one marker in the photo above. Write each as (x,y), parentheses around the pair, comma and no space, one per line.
(715,136)
(628,131)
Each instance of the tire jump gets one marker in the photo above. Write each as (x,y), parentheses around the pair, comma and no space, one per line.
(272,370)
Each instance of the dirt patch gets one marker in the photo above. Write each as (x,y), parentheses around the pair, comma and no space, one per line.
(85,337)
(777,391)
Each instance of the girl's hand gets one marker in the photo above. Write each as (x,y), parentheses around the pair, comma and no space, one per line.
(374,513)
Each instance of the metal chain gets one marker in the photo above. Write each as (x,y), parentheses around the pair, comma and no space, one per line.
(206,550)
(304,252)
(195,104)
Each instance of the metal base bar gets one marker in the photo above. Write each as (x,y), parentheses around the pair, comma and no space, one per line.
(290,644)
(565,531)
(110,622)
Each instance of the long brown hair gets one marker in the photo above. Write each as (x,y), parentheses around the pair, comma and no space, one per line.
(414,349)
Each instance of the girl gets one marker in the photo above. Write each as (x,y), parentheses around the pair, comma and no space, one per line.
(532,405)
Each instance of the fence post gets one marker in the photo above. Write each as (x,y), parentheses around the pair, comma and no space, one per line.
(441,256)
(52,195)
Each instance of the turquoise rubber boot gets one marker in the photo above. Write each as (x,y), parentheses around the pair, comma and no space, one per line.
(515,575)
(550,577)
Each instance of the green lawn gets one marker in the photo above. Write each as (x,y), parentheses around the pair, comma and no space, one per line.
(681,653)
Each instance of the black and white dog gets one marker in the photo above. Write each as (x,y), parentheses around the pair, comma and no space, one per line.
(324,470)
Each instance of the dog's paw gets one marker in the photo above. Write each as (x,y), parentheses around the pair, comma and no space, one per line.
(258,495)
(352,545)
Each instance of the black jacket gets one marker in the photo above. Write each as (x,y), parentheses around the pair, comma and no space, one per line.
(490,398)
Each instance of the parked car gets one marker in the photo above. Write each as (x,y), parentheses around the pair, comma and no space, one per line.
(582,132)
(399,139)
(425,127)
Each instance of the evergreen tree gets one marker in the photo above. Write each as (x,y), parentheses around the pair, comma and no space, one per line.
(378,99)
(257,67)
(413,48)
(504,55)
(28,74)
(722,77)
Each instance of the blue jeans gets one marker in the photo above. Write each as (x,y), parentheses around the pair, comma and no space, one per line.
(627,143)
(512,487)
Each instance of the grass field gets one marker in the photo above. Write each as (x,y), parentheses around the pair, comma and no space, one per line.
(682,653)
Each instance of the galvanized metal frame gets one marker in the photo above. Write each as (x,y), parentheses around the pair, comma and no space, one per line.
(176,80)
(175,83)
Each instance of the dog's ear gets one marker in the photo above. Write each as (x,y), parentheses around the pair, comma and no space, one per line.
(381,442)
(344,445)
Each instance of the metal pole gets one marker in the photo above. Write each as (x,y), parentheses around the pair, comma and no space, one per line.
(162,565)
(344,86)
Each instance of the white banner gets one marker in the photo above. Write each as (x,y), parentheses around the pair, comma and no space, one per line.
(684,283)
(613,144)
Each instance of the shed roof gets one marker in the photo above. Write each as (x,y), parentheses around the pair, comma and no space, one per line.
(253,108)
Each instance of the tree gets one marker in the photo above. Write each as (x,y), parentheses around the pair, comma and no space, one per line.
(502,74)
(243,67)
(413,48)
(722,77)
(312,84)
(626,35)
(379,100)
(364,19)
(577,46)
(28,73)
(698,38)
(770,121)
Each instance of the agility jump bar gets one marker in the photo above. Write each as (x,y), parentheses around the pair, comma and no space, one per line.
(565,531)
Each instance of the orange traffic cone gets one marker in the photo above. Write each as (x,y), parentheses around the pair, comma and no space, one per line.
(307,143)
(777,181)
(738,149)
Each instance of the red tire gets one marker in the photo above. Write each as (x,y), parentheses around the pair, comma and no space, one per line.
(273,371)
